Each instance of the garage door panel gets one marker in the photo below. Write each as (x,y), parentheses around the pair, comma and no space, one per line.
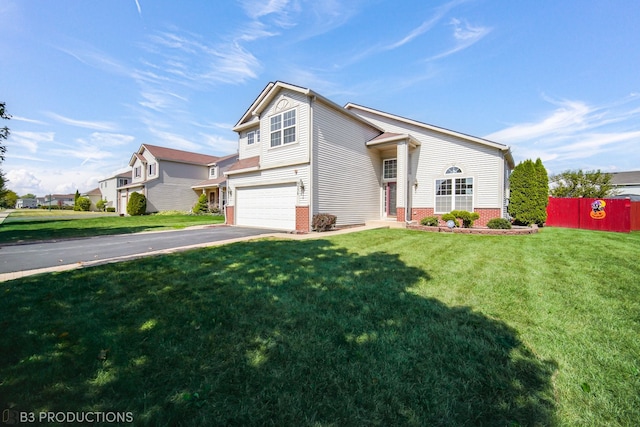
(272,206)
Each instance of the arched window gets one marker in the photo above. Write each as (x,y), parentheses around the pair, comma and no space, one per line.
(453,169)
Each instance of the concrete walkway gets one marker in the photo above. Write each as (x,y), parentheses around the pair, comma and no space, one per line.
(18,274)
(4,214)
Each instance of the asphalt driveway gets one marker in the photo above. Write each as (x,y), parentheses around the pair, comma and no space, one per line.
(21,260)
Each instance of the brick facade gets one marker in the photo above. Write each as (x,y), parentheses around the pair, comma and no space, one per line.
(485,214)
(302,219)
(400,216)
(230,216)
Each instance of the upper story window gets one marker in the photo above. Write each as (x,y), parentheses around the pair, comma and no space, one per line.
(283,128)
(453,169)
(253,137)
(213,172)
(390,169)
(122,181)
(152,169)
(137,171)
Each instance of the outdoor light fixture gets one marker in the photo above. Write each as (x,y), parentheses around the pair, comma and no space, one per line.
(415,184)
(301,186)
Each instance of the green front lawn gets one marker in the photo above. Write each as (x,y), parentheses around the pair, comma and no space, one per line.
(384,327)
(42,225)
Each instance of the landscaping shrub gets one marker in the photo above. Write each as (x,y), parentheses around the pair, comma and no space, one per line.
(430,221)
(111,209)
(102,205)
(451,217)
(82,204)
(137,204)
(466,217)
(323,222)
(202,205)
(499,223)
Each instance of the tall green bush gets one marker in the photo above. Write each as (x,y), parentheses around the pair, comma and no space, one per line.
(529,193)
(82,204)
(202,205)
(137,204)
(466,217)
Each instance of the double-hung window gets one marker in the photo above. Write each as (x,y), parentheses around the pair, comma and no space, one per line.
(454,193)
(137,171)
(152,169)
(253,137)
(283,128)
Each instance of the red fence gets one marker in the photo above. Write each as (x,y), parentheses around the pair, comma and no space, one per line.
(621,215)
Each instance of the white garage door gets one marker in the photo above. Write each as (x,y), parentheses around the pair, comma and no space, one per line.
(269,206)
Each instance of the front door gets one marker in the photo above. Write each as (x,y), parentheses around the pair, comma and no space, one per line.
(390,198)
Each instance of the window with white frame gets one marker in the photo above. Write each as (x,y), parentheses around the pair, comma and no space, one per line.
(213,172)
(137,171)
(390,169)
(152,169)
(253,137)
(454,194)
(283,128)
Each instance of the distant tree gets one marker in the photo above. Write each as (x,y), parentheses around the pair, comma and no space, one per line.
(4,131)
(101,205)
(528,199)
(82,204)
(576,183)
(8,199)
(28,196)
(4,134)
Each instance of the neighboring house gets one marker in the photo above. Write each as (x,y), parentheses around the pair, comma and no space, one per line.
(215,187)
(26,203)
(626,183)
(95,196)
(167,178)
(301,154)
(109,188)
(59,200)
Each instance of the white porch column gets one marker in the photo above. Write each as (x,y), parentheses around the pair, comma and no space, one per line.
(402,201)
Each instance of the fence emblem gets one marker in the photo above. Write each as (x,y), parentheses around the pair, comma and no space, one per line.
(597,209)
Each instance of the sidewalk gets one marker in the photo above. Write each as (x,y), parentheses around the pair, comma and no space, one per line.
(5,213)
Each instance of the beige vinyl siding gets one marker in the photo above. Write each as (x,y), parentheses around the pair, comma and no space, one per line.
(281,175)
(346,174)
(172,190)
(296,152)
(253,149)
(439,151)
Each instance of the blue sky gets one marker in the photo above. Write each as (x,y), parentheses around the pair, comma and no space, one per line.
(88,82)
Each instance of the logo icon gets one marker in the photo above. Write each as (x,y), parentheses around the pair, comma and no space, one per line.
(597,209)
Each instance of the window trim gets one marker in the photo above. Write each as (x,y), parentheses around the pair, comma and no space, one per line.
(384,163)
(453,187)
(282,128)
(137,172)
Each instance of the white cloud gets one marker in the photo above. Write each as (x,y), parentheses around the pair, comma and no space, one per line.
(30,140)
(576,135)
(22,181)
(96,125)
(110,139)
(219,145)
(172,140)
(465,35)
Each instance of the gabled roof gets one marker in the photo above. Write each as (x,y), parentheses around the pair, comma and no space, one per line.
(272,90)
(390,137)
(222,159)
(172,155)
(95,192)
(625,178)
(502,147)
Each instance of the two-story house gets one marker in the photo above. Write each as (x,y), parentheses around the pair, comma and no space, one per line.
(166,177)
(301,154)
(109,188)
(215,187)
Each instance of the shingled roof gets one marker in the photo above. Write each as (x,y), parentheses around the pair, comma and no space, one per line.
(173,155)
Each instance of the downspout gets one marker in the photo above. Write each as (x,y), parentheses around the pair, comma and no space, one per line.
(311,165)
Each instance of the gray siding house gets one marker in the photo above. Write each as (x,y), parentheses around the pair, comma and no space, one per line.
(301,154)
(166,177)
